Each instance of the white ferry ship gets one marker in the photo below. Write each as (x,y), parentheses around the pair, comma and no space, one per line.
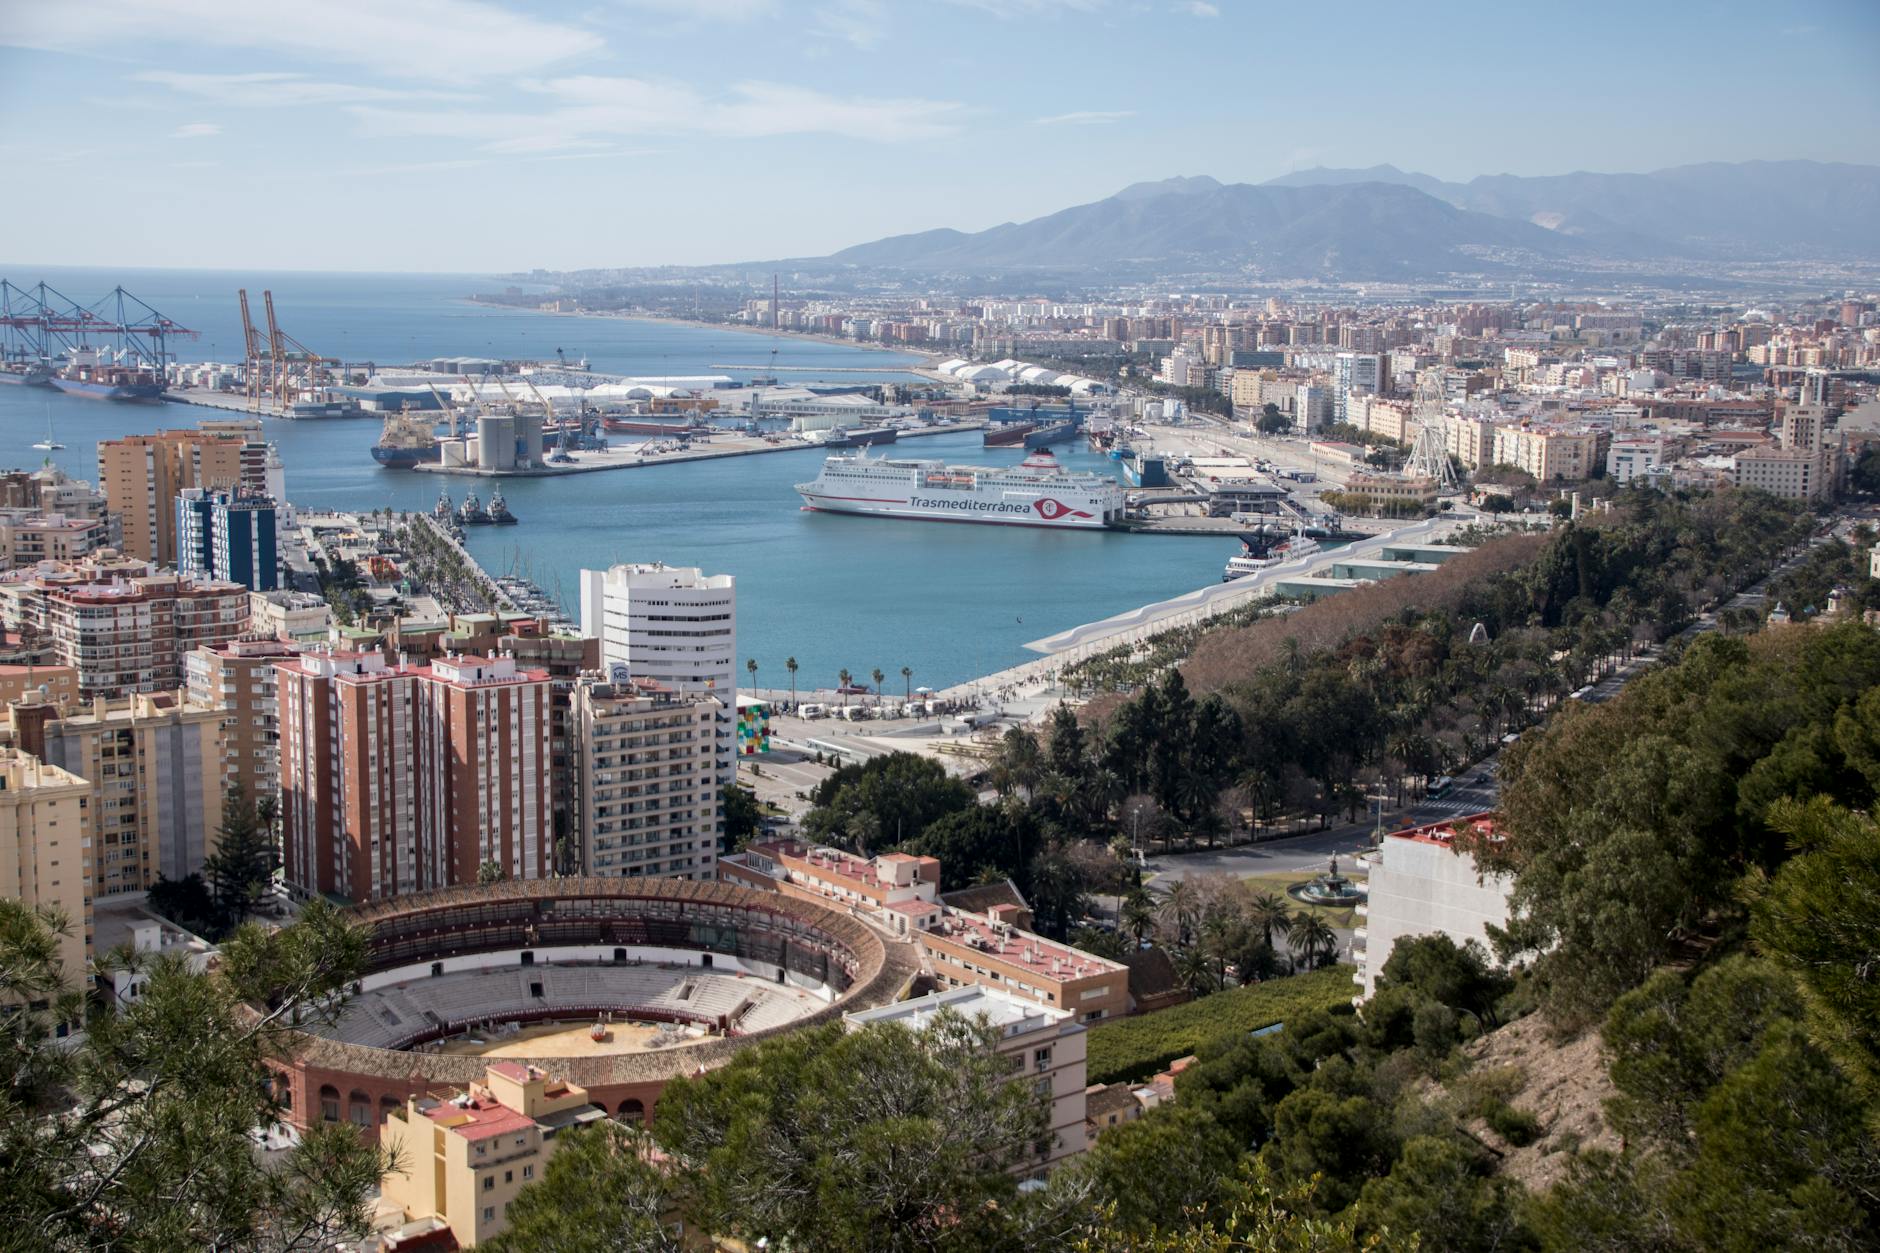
(1036,492)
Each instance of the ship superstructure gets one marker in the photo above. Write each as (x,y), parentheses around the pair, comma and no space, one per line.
(1036,492)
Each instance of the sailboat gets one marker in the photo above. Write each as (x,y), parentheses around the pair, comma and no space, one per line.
(48,444)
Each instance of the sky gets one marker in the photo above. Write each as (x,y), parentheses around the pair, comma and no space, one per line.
(497,135)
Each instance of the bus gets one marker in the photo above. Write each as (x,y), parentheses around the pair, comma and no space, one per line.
(1439,789)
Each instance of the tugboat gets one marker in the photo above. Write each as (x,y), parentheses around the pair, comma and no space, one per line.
(471,513)
(443,509)
(499,514)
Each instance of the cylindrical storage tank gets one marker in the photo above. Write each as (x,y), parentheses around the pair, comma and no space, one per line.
(453,452)
(496,442)
(528,439)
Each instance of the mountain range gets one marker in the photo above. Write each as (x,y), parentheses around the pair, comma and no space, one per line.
(1384,223)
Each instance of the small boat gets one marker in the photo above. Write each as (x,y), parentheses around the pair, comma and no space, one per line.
(499,514)
(48,444)
(443,509)
(471,513)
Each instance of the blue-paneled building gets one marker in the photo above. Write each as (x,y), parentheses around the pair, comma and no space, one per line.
(231,537)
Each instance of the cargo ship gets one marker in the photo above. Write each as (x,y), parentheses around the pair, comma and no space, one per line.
(406,441)
(860,437)
(108,382)
(1008,434)
(1036,492)
(650,426)
(25,373)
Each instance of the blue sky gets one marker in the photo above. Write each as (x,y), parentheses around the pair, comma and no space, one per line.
(460,135)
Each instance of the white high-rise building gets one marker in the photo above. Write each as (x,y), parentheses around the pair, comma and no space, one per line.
(674,625)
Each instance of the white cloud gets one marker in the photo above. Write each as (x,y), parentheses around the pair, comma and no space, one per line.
(1200,8)
(196,130)
(263,90)
(859,22)
(587,107)
(1085,117)
(432,39)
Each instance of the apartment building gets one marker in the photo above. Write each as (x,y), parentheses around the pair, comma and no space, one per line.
(398,778)
(29,537)
(1470,439)
(1549,455)
(462,1158)
(674,625)
(227,536)
(285,615)
(52,685)
(1420,883)
(237,677)
(646,780)
(1047,1048)
(154,763)
(120,626)
(143,476)
(44,861)
(968,949)
(898,892)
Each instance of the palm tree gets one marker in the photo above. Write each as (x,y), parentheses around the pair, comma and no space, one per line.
(751,665)
(876,675)
(907,684)
(790,665)
(1020,759)
(1269,912)
(1138,913)
(1314,937)
(1180,908)
(1192,968)
(844,678)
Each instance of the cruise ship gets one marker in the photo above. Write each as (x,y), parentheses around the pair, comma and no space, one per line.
(1036,492)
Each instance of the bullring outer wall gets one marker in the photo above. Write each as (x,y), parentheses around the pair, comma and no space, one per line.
(731,920)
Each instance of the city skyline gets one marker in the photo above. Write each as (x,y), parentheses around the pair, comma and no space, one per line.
(457,135)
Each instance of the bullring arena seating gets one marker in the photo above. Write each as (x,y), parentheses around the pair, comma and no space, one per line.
(428,1007)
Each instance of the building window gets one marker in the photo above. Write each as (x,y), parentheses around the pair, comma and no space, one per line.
(489,1183)
(489,1213)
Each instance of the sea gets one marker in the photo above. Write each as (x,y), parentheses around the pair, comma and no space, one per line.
(950,601)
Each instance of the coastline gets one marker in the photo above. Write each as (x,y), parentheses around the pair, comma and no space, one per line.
(836,341)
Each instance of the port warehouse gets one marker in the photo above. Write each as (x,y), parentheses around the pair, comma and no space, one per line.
(515,927)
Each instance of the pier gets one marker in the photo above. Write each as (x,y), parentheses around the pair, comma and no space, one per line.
(633,458)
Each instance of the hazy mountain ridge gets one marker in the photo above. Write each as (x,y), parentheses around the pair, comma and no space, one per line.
(1779,208)
(1384,222)
(1364,230)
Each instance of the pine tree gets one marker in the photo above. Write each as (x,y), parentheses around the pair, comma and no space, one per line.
(241,869)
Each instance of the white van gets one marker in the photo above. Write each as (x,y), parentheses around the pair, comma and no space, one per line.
(812,711)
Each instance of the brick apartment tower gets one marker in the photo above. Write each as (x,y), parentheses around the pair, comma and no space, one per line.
(398,778)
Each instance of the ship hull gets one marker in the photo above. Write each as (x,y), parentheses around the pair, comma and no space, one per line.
(402,458)
(1011,435)
(122,392)
(822,504)
(26,378)
(1045,436)
(627,426)
(863,439)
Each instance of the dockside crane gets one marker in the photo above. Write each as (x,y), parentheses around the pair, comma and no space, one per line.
(255,371)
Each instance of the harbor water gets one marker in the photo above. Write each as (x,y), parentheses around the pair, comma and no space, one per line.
(951,601)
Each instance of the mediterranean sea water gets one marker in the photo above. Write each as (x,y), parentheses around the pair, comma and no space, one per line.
(950,601)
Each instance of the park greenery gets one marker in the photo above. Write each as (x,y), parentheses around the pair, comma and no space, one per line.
(139,1135)
(1694,872)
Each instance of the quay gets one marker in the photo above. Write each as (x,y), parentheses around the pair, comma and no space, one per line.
(632,458)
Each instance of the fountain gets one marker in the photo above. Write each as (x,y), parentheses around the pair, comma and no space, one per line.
(1331,888)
